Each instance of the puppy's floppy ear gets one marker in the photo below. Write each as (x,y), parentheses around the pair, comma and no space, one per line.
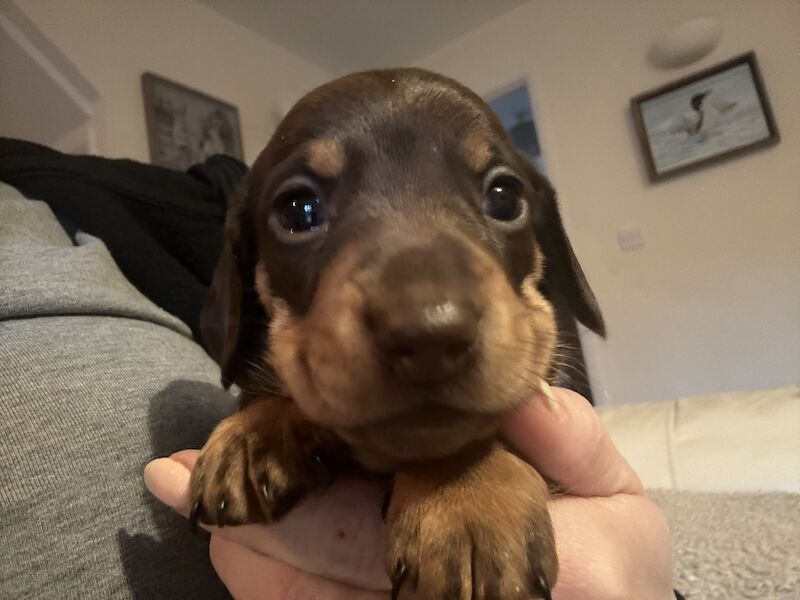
(563,275)
(232,322)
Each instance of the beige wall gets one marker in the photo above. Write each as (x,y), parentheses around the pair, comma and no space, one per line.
(712,301)
(112,42)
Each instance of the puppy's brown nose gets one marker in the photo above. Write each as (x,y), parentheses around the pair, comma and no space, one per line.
(424,320)
(428,342)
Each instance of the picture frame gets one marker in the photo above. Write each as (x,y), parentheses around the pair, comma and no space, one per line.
(513,107)
(718,113)
(186,126)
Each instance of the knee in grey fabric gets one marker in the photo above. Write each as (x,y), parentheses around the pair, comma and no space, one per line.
(95,381)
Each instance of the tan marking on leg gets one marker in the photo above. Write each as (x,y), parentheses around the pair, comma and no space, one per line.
(258,463)
(479,519)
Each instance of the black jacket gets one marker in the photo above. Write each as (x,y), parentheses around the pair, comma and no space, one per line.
(163,227)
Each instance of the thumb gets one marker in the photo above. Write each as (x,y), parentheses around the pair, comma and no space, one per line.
(168,479)
(336,534)
(561,436)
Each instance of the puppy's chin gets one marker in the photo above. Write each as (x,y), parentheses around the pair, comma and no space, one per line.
(428,432)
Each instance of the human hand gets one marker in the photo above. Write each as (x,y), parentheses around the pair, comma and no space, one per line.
(612,541)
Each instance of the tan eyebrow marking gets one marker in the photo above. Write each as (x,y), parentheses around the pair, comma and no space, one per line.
(477,151)
(262,285)
(325,157)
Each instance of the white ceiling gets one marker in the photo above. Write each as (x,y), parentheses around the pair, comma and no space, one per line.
(350,35)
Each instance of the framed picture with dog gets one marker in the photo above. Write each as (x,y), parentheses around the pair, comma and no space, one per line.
(717,113)
(185,127)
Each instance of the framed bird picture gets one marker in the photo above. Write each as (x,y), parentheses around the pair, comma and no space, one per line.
(714,114)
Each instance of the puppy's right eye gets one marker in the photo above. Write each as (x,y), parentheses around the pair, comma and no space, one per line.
(300,209)
(502,199)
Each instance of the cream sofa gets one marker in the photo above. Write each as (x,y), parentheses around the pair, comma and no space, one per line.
(732,442)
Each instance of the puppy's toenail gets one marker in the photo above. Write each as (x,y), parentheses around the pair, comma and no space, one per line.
(398,577)
(194,515)
(221,513)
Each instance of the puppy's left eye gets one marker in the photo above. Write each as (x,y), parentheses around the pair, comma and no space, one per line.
(502,199)
(300,210)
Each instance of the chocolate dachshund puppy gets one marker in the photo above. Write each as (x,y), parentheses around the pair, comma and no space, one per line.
(381,302)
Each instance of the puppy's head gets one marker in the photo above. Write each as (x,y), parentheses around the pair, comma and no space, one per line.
(386,258)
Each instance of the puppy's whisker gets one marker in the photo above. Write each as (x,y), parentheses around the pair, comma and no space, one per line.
(268,382)
(569,359)
(568,367)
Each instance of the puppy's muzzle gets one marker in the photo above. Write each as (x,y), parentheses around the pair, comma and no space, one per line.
(423,318)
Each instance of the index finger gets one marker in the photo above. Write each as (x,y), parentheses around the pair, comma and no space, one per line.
(563,438)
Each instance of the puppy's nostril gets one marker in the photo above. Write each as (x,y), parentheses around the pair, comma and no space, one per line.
(403,351)
(457,349)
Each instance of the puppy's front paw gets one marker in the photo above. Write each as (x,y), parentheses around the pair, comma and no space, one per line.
(252,470)
(485,535)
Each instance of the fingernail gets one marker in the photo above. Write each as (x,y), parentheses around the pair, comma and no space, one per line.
(547,393)
(168,481)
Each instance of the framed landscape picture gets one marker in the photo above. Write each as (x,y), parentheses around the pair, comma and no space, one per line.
(185,127)
(714,114)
